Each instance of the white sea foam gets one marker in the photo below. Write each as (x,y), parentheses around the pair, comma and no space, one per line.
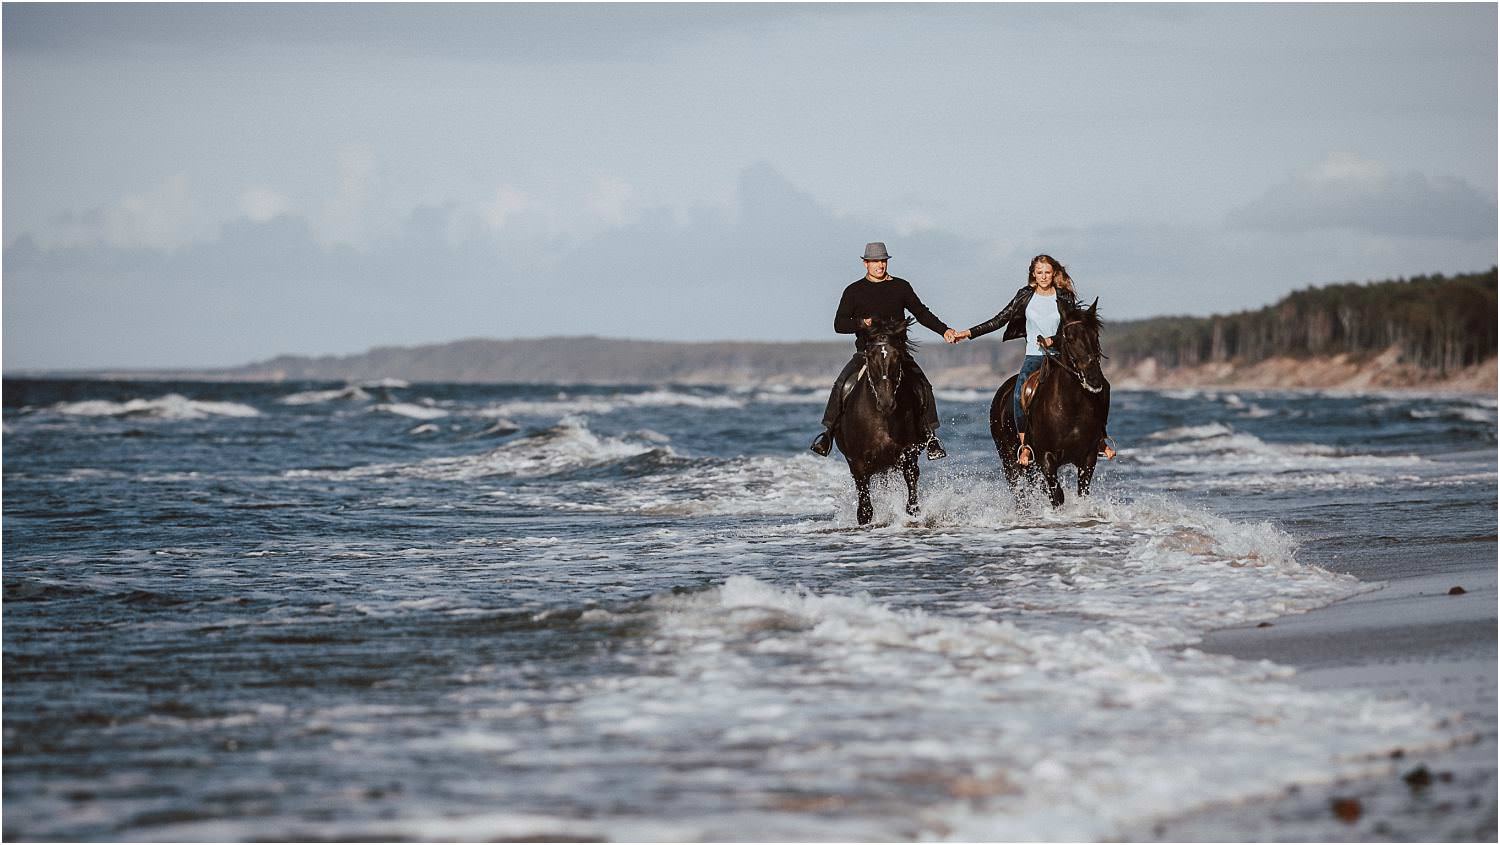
(1038,728)
(172,406)
(1216,455)
(408,409)
(567,405)
(352,393)
(569,445)
(788,397)
(1471,413)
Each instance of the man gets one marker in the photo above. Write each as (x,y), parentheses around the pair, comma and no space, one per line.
(881,295)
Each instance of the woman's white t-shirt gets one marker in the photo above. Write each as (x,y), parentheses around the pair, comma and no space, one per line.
(1041,319)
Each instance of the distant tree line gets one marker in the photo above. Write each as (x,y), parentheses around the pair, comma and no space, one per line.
(1439,322)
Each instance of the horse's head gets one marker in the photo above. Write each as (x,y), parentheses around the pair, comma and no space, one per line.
(886,349)
(1078,342)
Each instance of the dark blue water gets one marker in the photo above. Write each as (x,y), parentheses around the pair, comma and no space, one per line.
(248,611)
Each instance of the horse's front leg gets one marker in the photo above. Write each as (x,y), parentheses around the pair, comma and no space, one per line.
(911,470)
(862,487)
(1086,474)
(1049,468)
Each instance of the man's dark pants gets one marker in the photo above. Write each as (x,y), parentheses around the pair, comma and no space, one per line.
(924,388)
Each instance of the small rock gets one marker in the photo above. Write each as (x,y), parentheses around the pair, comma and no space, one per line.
(1418,778)
(1457,591)
(1264,625)
(1347,810)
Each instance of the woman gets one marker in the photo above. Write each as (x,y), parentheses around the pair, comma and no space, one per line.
(1035,312)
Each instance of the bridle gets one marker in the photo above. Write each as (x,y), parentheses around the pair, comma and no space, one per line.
(887,350)
(1061,359)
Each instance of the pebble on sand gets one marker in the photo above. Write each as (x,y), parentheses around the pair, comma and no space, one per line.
(1418,778)
(1347,810)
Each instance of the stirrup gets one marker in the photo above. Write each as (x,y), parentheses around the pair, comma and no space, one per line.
(822,444)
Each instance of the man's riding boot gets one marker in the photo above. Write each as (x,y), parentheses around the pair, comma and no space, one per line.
(934,448)
(823,444)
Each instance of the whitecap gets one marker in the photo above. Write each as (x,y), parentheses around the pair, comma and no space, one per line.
(351,393)
(172,406)
(407,409)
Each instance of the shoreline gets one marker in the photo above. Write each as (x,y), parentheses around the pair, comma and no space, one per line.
(1344,373)
(1410,640)
(1438,389)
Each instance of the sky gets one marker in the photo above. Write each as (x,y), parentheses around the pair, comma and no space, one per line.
(208,185)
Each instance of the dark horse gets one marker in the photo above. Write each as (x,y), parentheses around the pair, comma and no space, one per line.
(880,427)
(1066,419)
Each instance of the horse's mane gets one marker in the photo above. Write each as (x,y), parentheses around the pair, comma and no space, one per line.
(1090,319)
(895,328)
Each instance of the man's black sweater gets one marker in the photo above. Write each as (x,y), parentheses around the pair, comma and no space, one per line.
(891,297)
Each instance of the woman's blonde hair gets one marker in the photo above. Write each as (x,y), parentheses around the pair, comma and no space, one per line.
(1060,275)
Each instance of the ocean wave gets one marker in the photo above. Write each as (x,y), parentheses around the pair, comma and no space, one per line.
(172,406)
(968,395)
(789,397)
(569,446)
(1215,455)
(1007,716)
(352,393)
(1468,413)
(566,405)
(410,410)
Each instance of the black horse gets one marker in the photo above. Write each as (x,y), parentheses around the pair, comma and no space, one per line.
(1067,416)
(880,427)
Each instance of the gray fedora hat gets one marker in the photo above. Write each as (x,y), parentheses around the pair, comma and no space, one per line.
(875,251)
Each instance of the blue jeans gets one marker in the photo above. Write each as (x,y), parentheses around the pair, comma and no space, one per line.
(1031,364)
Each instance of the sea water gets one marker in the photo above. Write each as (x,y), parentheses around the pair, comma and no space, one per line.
(390,611)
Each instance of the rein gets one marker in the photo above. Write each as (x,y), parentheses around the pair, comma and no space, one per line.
(1058,359)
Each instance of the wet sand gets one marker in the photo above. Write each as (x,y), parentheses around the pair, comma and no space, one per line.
(1411,640)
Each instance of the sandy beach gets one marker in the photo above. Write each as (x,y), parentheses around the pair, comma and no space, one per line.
(1415,640)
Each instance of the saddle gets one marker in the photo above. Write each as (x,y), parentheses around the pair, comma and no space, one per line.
(1029,388)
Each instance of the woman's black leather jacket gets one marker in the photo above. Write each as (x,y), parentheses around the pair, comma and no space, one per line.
(1013,316)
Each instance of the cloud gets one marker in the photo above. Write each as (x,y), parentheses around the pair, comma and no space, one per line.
(345,218)
(1346,191)
(770,266)
(164,216)
(508,202)
(612,200)
(261,204)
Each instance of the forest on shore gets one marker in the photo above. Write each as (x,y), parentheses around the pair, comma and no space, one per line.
(1438,323)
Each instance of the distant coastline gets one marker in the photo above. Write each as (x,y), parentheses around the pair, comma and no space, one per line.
(1428,333)
(628,362)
